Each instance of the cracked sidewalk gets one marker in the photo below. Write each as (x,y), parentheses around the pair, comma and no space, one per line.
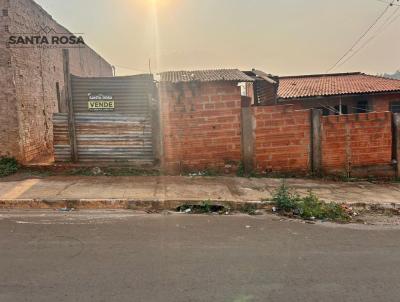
(152,189)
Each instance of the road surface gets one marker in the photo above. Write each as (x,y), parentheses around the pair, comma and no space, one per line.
(127,256)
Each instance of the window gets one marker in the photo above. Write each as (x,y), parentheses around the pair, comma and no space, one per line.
(6,29)
(362,107)
(395,107)
(325,111)
(58,96)
(5,12)
(344,110)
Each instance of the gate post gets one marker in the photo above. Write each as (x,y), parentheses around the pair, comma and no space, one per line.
(316,153)
(68,98)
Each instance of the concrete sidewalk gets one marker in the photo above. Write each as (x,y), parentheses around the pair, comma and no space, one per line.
(115,192)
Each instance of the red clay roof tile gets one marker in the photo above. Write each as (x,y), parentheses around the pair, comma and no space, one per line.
(334,84)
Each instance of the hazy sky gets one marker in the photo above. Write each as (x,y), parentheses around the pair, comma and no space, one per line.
(278,36)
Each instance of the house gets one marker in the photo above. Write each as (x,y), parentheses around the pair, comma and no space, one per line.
(334,94)
(32,77)
(341,93)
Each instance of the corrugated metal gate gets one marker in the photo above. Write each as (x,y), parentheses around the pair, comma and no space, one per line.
(121,133)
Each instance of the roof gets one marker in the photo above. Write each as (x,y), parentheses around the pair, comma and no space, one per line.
(205,76)
(258,74)
(334,84)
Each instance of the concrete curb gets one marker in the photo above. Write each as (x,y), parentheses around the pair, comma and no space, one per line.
(156,205)
(120,204)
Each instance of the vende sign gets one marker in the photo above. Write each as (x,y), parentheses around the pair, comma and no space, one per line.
(100,102)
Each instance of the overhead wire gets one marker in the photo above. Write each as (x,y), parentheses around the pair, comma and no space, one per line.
(364,34)
(393,4)
(389,21)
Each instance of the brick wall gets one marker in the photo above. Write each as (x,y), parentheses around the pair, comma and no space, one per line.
(201,126)
(381,103)
(281,139)
(9,133)
(202,130)
(358,140)
(32,79)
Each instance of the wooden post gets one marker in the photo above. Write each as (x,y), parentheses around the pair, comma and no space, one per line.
(396,141)
(68,98)
(316,152)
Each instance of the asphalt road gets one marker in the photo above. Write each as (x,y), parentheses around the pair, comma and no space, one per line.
(126,256)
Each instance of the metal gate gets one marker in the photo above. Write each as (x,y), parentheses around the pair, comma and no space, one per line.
(112,120)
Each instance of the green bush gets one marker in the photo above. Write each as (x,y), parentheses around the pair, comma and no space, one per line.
(8,166)
(309,207)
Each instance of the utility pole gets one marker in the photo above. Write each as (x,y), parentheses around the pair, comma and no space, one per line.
(150,66)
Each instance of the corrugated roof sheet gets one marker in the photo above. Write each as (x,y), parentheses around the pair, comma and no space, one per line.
(205,76)
(334,84)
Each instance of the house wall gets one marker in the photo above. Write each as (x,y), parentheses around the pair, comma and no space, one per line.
(381,103)
(378,102)
(8,110)
(32,76)
(267,92)
(358,140)
(201,126)
(282,139)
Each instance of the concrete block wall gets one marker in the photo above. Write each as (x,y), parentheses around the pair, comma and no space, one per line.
(282,138)
(354,141)
(204,126)
(33,76)
(201,126)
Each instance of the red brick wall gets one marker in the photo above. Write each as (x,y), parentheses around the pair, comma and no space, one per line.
(357,140)
(282,138)
(201,126)
(202,129)
(381,103)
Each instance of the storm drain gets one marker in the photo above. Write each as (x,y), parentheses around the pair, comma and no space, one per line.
(203,208)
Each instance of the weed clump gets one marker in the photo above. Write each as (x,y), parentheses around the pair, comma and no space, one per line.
(241,170)
(285,199)
(308,207)
(8,166)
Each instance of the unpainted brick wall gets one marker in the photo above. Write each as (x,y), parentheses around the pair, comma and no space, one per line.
(202,129)
(381,103)
(201,126)
(357,140)
(33,74)
(9,133)
(282,139)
